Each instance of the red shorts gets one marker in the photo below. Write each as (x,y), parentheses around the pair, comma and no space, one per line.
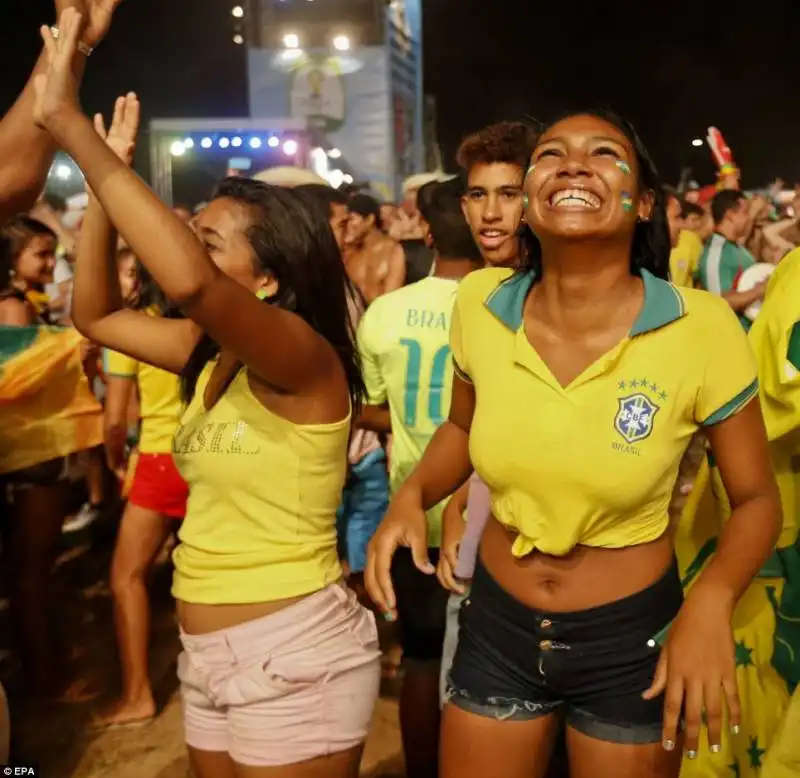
(158,486)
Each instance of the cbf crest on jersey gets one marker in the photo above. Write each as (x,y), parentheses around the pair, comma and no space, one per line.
(634,419)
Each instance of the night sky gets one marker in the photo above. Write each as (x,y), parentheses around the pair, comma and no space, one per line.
(671,67)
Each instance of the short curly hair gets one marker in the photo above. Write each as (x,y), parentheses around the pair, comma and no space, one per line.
(510,143)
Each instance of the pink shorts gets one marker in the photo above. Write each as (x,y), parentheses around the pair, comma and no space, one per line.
(290,687)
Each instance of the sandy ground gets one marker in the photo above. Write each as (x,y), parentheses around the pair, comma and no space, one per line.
(55,736)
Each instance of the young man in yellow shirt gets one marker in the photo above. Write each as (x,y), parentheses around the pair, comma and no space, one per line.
(404,344)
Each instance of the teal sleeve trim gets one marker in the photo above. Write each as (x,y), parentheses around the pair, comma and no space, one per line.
(733,406)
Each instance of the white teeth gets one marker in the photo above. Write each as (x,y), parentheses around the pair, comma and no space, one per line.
(575,198)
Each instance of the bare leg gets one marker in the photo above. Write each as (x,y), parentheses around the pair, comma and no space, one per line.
(420,716)
(476,746)
(95,468)
(341,765)
(141,535)
(211,764)
(35,533)
(590,758)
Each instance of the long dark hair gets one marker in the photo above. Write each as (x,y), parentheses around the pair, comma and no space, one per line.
(651,245)
(294,245)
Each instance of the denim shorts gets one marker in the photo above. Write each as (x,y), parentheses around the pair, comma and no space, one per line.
(591,667)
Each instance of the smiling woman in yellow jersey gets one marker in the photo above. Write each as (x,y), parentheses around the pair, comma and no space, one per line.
(579,382)
(281,666)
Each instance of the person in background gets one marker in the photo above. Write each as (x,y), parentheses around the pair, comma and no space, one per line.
(697,220)
(388,216)
(332,205)
(407,223)
(29,257)
(724,260)
(494,160)
(375,262)
(403,340)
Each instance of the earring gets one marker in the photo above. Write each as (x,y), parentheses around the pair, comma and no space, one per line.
(525,201)
(262,294)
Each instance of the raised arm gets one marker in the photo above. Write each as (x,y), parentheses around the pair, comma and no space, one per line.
(98,309)
(26,150)
(277,345)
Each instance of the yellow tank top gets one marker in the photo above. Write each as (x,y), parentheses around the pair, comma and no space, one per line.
(261,517)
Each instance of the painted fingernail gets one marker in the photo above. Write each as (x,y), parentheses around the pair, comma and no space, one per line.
(691,754)
(388,616)
(735,729)
(669,745)
(715,749)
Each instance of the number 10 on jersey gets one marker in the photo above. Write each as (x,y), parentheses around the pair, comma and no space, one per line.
(422,383)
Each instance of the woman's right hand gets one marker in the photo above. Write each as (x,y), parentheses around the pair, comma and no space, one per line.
(404,524)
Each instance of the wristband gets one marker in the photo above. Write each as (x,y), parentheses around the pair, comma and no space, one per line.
(83,48)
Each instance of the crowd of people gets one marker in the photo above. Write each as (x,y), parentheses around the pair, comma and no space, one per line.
(543,414)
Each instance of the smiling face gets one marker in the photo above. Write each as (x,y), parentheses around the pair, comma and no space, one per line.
(493,209)
(583,182)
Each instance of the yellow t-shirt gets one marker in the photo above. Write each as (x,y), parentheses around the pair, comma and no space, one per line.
(159,400)
(685,259)
(405,354)
(775,337)
(594,463)
(263,492)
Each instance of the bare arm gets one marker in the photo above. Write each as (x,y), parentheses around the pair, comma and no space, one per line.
(396,277)
(739,301)
(119,392)
(15,313)
(98,310)
(26,150)
(445,466)
(375,418)
(749,536)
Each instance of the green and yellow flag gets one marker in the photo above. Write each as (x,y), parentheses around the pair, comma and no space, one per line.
(47,409)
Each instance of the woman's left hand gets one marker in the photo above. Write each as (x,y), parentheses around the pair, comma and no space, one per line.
(57,89)
(696,669)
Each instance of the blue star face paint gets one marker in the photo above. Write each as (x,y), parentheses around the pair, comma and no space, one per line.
(623,166)
(627,202)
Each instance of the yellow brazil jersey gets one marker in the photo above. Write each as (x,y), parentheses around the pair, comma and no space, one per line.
(775,337)
(260,521)
(159,400)
(685,259)
(405,352)
(594,463)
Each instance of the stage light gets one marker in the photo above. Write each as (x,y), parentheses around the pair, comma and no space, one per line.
(291,40)
(255,143)
(206,143)
(236,142)
(273,142)
(341,43)
(224,143)
(290,148)
(177,149)
(334,153)
(336,178)
(237,11)
(63,172)
(188,143)
(697,142)
(238,39)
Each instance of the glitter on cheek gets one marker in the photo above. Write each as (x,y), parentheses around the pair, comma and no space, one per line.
(623,166)
(530,170)
(627,202)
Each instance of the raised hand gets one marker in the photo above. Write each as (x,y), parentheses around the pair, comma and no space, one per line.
(121,136)
(57,89)
(97,15)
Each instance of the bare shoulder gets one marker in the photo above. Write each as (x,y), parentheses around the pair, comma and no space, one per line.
(16,313)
